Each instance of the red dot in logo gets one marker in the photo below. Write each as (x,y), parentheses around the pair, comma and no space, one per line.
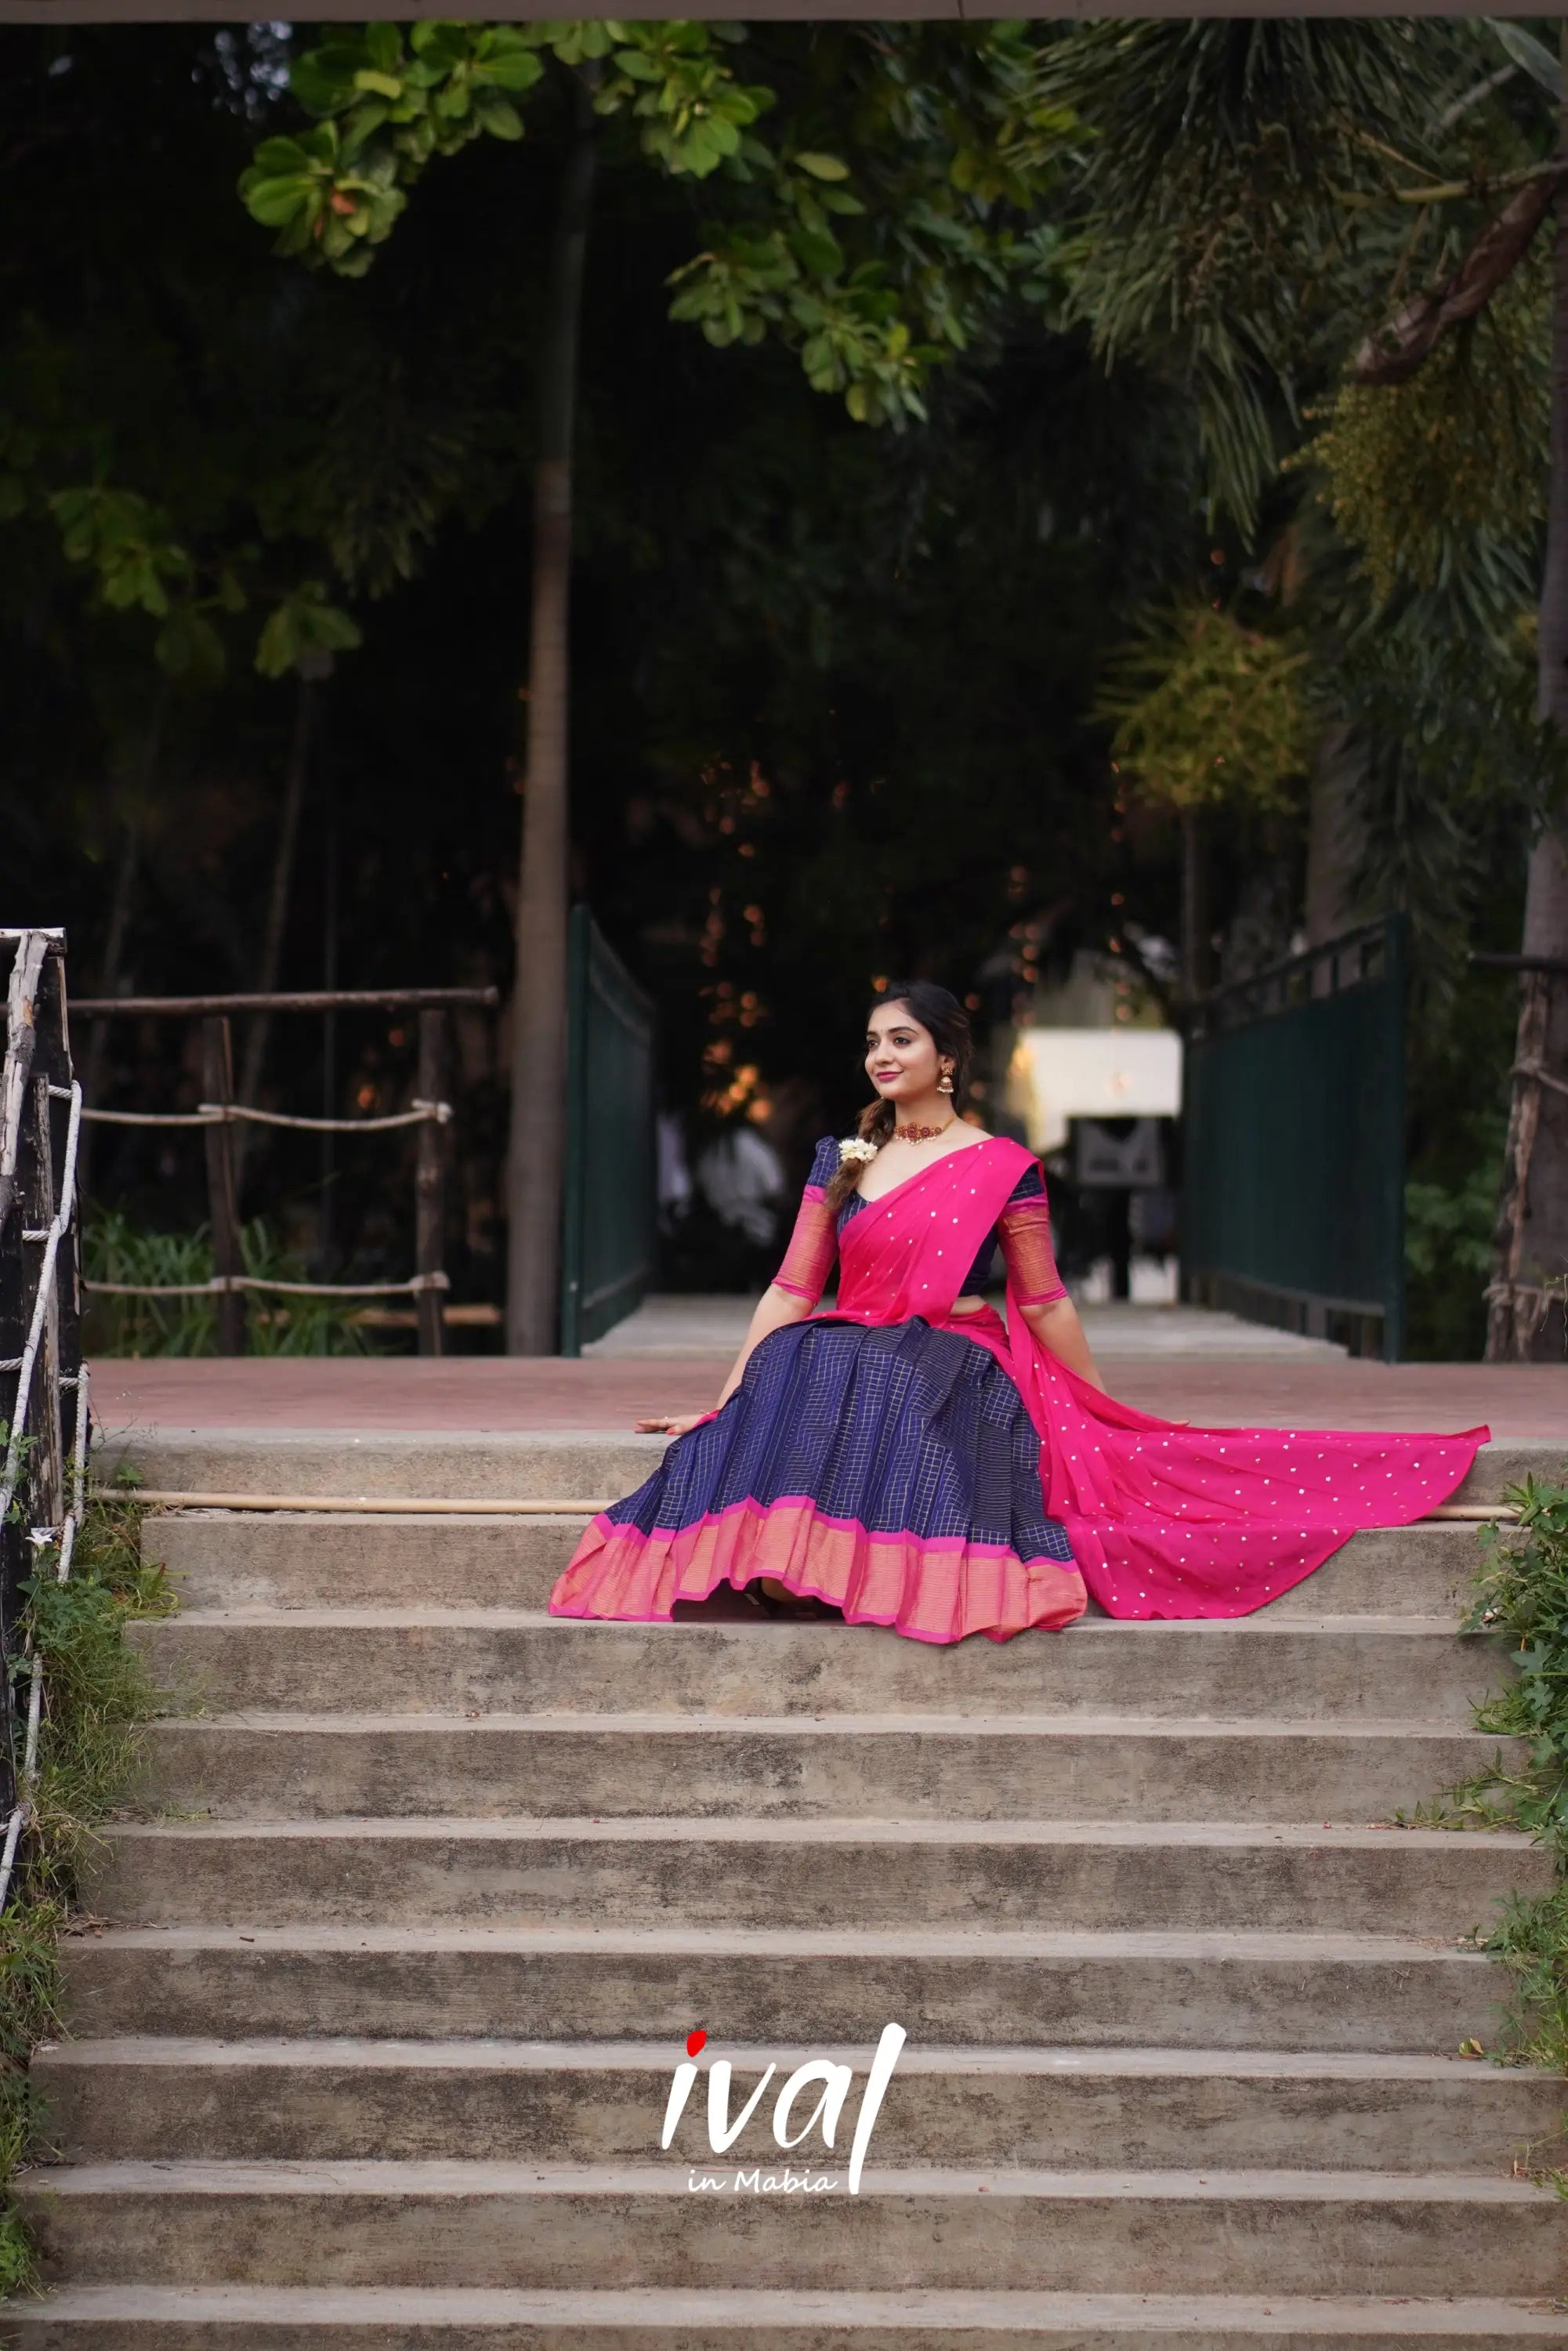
(695,2041)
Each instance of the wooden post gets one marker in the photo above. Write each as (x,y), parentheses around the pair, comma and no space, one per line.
(45,1481)
(218,1086)
(429,1182)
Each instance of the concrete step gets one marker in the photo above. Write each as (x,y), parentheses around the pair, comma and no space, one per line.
(597,1465)
(1104,1875)
(308,1560)
(494,2224)
(556,2102)
(293,1559)
(989,1766)
(418,1464)
(426,2318)
(451,1661)
(1007,1987)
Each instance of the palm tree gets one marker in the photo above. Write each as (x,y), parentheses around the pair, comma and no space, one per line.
(1238,219)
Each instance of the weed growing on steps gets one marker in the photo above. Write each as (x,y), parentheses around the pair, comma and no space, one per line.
(96,1692)
(1523,1596)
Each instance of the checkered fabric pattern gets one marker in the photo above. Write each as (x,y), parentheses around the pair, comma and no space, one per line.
(902,1429)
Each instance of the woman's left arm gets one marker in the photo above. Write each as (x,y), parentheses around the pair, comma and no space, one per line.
(1024,1230)
(1056,1326)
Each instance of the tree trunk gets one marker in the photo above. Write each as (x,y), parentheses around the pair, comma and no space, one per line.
(118,926)
(271,958)
(1527,1307)
(1335,837)
(537,1137)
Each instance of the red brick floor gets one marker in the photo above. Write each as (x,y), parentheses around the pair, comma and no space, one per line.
(489,1392)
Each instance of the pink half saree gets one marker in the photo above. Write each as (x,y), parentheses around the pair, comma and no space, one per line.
(947,1474)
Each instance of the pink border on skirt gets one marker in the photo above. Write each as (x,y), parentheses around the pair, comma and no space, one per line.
(938,1589)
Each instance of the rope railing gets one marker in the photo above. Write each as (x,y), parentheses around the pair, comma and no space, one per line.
(222,1285)
(217,1115)
(44,1405)
(419,1113)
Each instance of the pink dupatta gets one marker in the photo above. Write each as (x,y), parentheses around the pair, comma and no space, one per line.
(1165,1520)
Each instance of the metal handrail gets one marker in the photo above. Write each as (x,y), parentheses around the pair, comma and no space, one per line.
(43,1382)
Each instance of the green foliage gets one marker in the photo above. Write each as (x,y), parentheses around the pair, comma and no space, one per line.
(386,104)
(1258,196)
(96,1687)
(1417,471)
(96,1693)
(1449,1248)
(114,1249)
(1450,1231)
(1215,235)
(693,112)
(1523,1596)
(137,563)
(1209,713)
(949,144)
(302,629)
(127,542)
(1523,1599)
(383,109)
(1456,769)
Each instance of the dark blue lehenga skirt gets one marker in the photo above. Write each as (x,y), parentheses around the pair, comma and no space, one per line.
(891,1471)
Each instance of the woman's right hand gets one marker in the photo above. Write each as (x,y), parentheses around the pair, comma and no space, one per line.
(665,1426)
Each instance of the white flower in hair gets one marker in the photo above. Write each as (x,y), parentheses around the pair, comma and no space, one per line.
(856,1148)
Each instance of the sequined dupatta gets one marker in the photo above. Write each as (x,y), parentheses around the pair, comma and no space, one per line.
(909,1252)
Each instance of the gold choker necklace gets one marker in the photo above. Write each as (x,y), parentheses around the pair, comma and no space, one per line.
(923,1134)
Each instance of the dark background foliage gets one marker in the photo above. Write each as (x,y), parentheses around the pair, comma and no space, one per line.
(833,687)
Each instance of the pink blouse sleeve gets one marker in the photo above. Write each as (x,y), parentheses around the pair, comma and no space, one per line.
(1024,1230)
(813,1247)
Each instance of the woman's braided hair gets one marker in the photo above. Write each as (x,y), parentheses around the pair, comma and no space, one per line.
(938,1012)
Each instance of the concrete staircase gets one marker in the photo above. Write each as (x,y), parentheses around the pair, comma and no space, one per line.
(374,2039)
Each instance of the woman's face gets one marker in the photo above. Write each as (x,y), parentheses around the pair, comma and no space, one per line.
(901,1061)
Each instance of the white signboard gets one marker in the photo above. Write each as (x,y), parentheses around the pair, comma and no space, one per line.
(1061,1073)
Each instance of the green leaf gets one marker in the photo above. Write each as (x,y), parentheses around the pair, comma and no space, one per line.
(1533,55)
(188,647)
(274,201)
(498,114)
(513,69)
(322,84)
(819,252)
(822,167)
(384,84)
(275,156)
(304,623)
(383,46)
(439,43)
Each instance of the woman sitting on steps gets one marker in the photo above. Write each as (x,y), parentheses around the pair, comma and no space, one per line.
(910,1459)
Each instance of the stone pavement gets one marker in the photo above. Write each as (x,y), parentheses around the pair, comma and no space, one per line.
(672,1357)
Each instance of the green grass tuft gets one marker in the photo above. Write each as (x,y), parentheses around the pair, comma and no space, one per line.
(114,1249)
(96,1692)
(1521,1597)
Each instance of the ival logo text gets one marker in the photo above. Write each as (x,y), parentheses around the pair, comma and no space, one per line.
(836,2080)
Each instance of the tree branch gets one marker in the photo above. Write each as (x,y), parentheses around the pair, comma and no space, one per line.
(1394,353)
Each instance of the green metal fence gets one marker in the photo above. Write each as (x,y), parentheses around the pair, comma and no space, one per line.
(1293,1209)
(608,1212)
